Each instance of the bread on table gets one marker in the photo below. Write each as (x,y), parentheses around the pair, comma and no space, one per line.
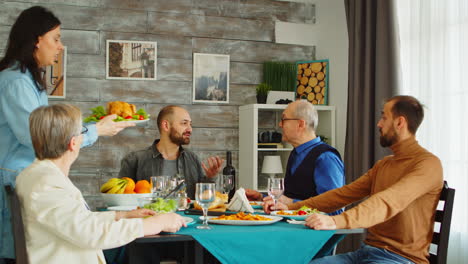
(219,204)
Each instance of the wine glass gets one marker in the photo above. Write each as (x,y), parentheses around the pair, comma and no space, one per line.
(205,194)
(159,185)
(228,183)
(275,189)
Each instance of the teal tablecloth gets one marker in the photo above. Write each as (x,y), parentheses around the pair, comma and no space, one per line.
(276,243)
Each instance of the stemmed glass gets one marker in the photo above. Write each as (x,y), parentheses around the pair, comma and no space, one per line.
(228,183)
(205,194)
(275,189)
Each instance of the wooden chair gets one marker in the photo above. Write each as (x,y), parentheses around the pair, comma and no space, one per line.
(17,225)
(444,217)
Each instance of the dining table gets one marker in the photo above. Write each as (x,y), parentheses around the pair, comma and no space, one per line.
(279,242)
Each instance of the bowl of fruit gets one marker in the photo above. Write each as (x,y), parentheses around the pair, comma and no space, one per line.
(124,191)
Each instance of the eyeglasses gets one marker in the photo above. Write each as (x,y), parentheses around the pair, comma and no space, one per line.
(84,130)
(286,119)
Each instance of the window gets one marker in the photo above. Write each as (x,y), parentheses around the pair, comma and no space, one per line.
(434,65)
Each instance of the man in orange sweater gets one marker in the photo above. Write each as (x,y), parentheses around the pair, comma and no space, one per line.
(402,192)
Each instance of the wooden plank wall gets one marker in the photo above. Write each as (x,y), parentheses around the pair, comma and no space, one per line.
(244,29)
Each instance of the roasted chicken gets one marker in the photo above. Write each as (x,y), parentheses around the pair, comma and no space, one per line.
(122,109)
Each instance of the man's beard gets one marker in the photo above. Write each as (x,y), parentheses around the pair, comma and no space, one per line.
(177,138)
(389,139)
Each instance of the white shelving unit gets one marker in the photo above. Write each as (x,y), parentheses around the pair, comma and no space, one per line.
(250,156)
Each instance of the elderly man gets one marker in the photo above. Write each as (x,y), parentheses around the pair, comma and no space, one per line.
(313,167)
(402,193)
(59,226)
(166,156)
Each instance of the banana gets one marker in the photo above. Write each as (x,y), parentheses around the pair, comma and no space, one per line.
(124,185)
(110,184)
(116,188)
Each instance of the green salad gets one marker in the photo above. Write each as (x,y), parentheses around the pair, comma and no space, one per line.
(304,210)
(99,112)
(162,206)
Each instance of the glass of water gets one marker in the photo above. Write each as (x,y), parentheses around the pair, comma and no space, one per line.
(205,194)
(275,189)
(159,185)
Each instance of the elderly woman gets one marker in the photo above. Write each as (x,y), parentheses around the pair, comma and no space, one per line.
(59,226)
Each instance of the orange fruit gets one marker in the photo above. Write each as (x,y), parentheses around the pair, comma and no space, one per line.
(142,186)
(130,185)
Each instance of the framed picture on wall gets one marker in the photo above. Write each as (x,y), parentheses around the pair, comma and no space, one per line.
(312,81)
(131,60)
(56,76)
(210,78)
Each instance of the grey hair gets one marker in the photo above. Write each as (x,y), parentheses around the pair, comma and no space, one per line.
(52,127)
(306,111)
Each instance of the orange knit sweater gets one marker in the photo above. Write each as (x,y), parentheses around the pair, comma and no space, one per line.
(403,192)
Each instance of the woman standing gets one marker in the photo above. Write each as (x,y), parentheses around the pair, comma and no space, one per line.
(33,44)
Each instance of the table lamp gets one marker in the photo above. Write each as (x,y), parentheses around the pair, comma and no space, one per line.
(272,165)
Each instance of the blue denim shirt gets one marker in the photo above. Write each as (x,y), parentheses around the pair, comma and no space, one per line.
(19,96)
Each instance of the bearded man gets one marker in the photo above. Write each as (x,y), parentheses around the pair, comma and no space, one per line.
(166,156)
(402,192)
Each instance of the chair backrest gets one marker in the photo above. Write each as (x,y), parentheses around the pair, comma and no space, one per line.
(17,224)
(444,217)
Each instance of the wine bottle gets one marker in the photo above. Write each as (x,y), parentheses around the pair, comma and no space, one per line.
(229,172)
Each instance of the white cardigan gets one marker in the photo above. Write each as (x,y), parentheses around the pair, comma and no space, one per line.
(58,226)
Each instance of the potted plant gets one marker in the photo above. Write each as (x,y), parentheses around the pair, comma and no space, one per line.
(262,92)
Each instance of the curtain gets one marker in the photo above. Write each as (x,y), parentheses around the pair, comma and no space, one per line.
(434,58)
(373,77)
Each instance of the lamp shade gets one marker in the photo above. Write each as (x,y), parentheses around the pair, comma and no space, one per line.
(272,165)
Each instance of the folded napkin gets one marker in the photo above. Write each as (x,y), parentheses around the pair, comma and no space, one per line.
(239,202)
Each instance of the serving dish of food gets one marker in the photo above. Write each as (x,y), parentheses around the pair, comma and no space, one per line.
(300,214)
(242,218)
(125,113)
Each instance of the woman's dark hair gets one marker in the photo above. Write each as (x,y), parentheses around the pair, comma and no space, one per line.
(24,35)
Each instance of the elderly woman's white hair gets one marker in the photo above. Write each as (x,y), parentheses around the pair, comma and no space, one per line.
(306,111)
(52,128)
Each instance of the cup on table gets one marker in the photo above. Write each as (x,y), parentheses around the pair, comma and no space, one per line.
(159,185)
(182,202)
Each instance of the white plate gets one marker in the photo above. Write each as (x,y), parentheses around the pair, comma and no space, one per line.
(125,120)
(188,220)
(295,217)
(274,219)
(121,208)
(136,121)
(256,204)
